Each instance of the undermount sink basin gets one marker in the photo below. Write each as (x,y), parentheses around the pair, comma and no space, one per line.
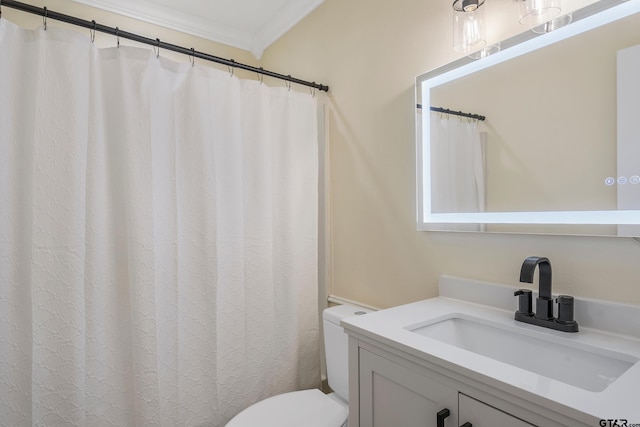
(589,368)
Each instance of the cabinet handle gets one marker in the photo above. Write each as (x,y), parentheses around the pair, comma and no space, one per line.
(467,425)
(441,416)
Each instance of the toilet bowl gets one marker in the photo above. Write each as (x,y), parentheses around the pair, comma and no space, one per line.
(311,408)
(308,408)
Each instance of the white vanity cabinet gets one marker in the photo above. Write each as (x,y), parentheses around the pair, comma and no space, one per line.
(393,395)
(389,390)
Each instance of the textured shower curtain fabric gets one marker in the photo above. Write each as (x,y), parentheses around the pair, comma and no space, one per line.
(158,237)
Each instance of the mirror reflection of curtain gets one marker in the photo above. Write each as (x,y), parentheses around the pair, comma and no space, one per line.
(458,169)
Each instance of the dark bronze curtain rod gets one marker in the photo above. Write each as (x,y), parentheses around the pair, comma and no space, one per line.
(156,43)
(455,113)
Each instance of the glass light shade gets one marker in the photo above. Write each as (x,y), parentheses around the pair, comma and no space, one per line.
(554,24)
(485,51)
(468,30)
(537,12)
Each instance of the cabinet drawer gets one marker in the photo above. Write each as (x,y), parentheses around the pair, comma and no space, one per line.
(480,414)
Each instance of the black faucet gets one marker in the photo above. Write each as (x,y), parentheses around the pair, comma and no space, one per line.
(544,303)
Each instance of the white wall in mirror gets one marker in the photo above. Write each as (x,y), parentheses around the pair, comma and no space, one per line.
(628,103)
(555,179)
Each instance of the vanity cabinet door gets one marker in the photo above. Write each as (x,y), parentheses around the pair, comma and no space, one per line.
(392,395)
(479,414)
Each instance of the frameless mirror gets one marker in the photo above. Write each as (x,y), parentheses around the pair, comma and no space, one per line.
(558,151)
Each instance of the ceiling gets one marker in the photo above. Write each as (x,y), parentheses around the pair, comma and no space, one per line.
(251,25)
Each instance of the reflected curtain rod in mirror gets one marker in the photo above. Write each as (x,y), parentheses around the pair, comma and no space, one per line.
(560,153)
(455,113)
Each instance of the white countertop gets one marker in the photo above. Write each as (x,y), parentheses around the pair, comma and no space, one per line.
(620,400)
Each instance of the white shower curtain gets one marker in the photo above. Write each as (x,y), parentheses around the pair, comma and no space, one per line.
(458,170)
(158,237)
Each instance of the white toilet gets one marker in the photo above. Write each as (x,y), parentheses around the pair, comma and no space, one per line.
(311,408)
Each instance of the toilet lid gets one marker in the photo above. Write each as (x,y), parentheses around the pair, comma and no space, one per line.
(309,408)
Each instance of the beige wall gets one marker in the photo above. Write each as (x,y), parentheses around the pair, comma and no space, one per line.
(369,52)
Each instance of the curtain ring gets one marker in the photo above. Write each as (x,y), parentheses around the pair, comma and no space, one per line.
(232,68)
(44,18)
(312,91)
(93,31)
(158,46)
(193,57)
(118,37)
(288,82)
(261,76)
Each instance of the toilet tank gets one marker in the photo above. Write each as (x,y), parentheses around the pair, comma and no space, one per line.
(336,346)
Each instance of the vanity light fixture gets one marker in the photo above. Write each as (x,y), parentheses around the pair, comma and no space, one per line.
(467,5)
(537,12)
(468,26)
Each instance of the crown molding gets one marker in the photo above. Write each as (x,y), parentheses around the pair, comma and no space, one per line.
(292,13)
(177,19)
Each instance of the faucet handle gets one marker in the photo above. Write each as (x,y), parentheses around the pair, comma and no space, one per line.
(565,308)
(524,301)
